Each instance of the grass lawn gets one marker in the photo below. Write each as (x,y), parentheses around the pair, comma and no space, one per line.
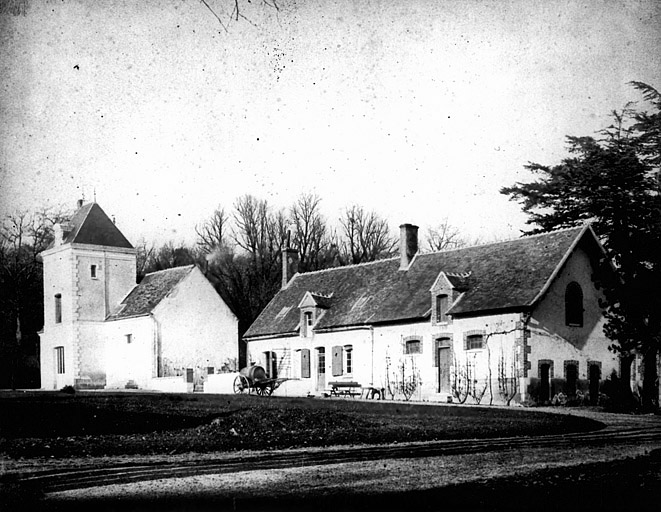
(54,424)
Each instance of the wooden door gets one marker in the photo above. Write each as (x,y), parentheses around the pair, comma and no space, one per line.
(444,361)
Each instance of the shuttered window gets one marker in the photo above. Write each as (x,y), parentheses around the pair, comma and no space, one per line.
(337,361)
(305,363)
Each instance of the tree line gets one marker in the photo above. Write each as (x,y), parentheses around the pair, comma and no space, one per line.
(237,248)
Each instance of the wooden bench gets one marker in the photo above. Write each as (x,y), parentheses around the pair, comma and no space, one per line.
(373,393)
(345,388)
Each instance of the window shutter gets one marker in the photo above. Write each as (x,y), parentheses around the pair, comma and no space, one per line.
(337,361)
(305,363)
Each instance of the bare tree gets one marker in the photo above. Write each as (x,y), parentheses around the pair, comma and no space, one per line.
(444,236)
(310,234)
(144,255)
(23,236)
(224,19)
(508,377)
(212,233)
(366,237)
(461,380)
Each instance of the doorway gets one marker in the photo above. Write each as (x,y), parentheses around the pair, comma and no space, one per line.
(444,362)
(544,382)
(271,360)
(595,377)
(321,369)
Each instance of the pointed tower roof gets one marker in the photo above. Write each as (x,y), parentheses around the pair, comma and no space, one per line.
(90,225)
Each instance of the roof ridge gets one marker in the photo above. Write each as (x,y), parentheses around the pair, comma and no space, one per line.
(191,265)
(536,235)
(353,265)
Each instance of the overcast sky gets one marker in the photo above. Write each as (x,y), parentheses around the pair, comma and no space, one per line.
(419,110)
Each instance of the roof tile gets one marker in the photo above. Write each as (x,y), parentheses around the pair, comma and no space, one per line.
(496,276)
(150,292)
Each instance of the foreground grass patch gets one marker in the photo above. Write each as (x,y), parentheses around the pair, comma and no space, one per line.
(97,424)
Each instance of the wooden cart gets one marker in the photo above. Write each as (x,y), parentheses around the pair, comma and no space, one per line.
(253,379)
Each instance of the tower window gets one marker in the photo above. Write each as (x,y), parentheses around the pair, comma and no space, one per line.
(93,271)
(129,338)
(59,359)
(58,308)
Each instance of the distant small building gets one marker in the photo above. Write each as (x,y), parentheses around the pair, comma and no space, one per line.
(512,321)
(101,330)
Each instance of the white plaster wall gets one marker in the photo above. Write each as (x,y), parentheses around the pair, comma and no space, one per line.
(116,269)
(133,361)
(55,337)
(91,355)
(551,339)
(222,383)
(169,384)
(58,278)
(500,342)
(197,329)
(379,352)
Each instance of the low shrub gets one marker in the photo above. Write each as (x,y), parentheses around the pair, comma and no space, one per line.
(616,395)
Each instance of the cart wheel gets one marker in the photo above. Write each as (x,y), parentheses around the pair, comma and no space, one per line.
(267,390)
(241,385)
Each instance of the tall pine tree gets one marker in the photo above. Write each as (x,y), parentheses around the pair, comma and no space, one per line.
(613,181)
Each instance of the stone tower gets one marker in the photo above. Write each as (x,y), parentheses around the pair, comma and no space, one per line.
(88,270)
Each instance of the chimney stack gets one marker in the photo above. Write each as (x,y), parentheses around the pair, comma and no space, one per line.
(408,244)
(289,265)
(58,235)
(79,203)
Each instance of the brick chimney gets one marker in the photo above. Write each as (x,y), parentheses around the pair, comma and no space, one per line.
(289,265)
(408,244)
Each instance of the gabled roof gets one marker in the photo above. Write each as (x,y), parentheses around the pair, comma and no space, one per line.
(91,225)
(509,275)
(150,292)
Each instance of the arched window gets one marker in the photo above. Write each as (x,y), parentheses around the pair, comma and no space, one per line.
(574,305)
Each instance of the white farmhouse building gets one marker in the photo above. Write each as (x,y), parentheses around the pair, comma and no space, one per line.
(101,330)
(517,320)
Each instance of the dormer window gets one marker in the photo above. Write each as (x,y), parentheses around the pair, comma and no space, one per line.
(441,308)
(307,322)
(312,308)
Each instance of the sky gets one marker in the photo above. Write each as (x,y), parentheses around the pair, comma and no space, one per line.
(418,110)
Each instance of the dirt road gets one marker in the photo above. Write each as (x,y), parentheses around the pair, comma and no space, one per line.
(478,474)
